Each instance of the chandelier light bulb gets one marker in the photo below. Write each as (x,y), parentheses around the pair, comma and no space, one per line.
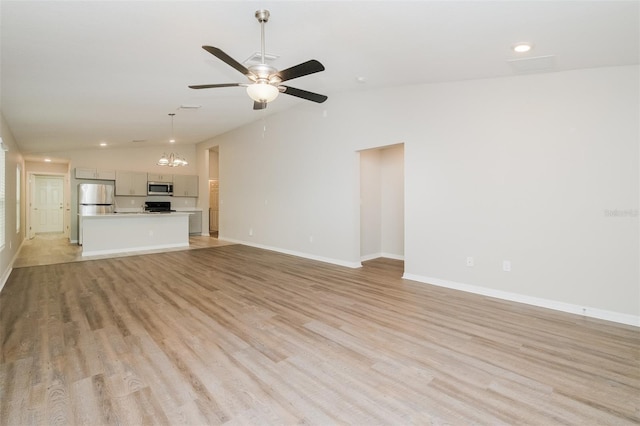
(163,161)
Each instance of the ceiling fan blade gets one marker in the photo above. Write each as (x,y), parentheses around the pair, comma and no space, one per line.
(305,68)
(310,96)
(259,105)
(227,59)
(212,86)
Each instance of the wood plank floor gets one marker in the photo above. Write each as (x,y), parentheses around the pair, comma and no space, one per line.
(239,335)
(50,248)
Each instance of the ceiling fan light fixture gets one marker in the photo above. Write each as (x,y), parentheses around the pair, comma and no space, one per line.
(262,92)
(265,79)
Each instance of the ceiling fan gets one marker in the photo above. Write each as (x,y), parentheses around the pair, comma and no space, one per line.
(265,80)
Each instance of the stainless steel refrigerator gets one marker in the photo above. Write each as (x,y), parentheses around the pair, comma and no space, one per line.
(93,199)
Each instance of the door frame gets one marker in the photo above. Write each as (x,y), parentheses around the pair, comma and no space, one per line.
(30,192)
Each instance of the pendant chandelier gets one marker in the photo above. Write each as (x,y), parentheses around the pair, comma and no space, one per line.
(173,159)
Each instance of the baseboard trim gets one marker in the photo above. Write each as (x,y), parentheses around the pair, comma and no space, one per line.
(392,256)
(7,272)
(379,255)
(132,249)
(370,257)
(5,276)
(586,311)
(332,261)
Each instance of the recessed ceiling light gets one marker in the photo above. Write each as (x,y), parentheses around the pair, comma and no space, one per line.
(103,144)
(522,47)
(47,160)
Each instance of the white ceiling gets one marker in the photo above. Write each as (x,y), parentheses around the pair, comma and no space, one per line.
(77,73)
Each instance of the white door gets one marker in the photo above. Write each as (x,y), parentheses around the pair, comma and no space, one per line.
(47,205)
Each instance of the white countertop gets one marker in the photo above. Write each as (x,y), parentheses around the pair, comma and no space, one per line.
(136,214)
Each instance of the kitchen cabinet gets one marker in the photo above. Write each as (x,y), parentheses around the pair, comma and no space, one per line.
(131,183)
(87,173)
(195,222)
(185,186)
(154,177)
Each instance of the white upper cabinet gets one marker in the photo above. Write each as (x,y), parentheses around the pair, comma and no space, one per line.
(86,173)
(185,186)
(131,183)
(154,177)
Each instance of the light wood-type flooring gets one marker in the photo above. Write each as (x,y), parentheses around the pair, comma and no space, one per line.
(47,249)
(238,335)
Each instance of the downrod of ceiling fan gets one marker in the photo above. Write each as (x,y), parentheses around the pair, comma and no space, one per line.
(262,16)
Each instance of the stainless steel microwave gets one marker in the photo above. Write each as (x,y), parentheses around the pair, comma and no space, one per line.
(159,188)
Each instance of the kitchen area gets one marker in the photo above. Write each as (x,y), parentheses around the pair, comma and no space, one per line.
(125,211)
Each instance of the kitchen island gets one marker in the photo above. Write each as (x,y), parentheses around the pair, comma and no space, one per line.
(130,232)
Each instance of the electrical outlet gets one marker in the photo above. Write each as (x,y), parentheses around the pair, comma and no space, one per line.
(311,238)
(470,261)
(506,266)
(250,232)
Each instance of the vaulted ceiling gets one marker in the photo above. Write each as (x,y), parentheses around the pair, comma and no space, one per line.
(78,73)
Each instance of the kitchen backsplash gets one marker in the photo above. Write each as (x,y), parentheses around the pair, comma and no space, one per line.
(135,204)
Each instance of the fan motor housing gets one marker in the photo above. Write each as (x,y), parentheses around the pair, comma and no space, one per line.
(262,71)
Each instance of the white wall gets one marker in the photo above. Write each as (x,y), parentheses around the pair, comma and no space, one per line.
(137,159)
(14,237)
(392,202)
(46,168)
(370,202)
(213,164)
(522,168)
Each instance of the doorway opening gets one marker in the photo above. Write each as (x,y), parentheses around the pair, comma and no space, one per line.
(382,203)
(214,192)
(46,212)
